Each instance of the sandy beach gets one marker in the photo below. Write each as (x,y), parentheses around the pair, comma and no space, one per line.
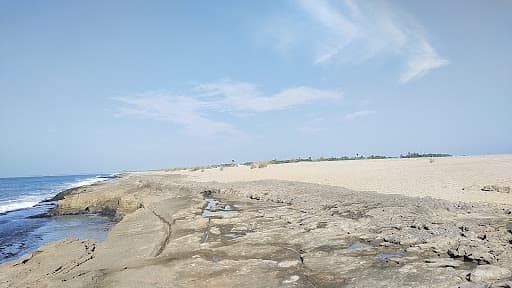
(364,223)
(451,178)
(258,144)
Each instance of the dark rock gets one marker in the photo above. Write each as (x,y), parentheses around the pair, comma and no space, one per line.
(496,188)
(506,284)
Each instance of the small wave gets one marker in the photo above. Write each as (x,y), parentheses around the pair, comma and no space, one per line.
(23,201)
(16,206)
(32,199)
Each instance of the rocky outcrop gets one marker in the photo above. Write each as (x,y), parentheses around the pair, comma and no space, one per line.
(110,199)
(177,233)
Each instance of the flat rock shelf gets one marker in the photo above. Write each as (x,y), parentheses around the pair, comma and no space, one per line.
(175,232)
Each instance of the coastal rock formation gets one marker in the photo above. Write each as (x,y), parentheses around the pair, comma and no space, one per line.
(484,273)
(177,233)
(117,201)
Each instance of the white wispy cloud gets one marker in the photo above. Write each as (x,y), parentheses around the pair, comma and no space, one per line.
(357,31)
(421,60)
(181,110)
(194,110)
(243,96)
(359,114)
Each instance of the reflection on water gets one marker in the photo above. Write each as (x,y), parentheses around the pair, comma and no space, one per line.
(91,226)
(27,234)
(216,208)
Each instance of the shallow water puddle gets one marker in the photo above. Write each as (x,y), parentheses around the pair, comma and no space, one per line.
(357,248)
(216,208)
(215,259)
(232,235)
(206,235)
(388,255)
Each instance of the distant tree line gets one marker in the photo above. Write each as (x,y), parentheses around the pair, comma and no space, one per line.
(357,157)
(418,155)
(262,164)
(309,159)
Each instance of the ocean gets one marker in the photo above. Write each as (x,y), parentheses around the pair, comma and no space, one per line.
(21,197)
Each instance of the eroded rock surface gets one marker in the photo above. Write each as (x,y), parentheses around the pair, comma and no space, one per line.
(176,233)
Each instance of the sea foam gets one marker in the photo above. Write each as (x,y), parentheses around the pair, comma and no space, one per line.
(29,200)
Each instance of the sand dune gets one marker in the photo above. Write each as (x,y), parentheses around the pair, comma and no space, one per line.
(445,178)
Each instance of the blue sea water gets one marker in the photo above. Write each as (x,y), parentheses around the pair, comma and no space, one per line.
(22,197)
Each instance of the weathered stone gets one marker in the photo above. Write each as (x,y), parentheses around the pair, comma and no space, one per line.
(444,262)
(292,279)
(392,239)
(296,235)
(287,264)
(489,273)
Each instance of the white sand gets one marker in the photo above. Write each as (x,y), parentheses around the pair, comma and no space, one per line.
(443,179)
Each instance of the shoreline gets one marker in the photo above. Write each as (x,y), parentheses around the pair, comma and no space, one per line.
(98,178)
(102,210)
(26,229)
(174,229)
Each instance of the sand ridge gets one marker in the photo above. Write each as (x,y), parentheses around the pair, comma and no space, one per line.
(457,178)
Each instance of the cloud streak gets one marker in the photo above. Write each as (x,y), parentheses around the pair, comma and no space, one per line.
(359,31)
(242,96)
(359,114)
(181,110)
(194,110)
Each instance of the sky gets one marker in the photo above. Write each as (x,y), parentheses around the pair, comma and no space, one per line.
(105,86)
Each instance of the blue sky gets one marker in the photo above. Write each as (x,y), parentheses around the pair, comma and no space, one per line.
(92,86)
